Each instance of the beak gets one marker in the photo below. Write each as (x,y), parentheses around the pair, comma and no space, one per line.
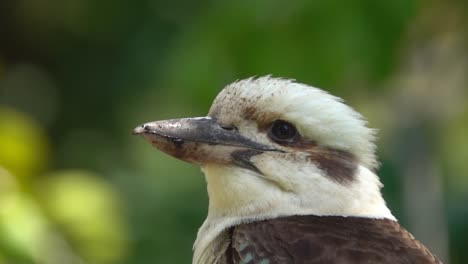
(201,140)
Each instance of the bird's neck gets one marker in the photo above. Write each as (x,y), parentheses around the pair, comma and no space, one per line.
(240,196)
(243,194)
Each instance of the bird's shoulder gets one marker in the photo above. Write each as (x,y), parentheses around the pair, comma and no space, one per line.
(326,239)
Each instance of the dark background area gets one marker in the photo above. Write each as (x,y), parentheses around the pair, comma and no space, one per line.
(76,76)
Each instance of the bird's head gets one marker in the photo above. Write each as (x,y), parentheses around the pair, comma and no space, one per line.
(272,147)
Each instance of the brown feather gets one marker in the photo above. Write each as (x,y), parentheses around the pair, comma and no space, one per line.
(325,239)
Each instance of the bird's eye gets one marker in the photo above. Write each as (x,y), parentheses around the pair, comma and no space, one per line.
(283,132)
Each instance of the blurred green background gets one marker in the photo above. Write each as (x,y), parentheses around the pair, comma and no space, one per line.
(77,75)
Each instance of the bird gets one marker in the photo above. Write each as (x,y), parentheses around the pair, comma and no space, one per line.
(291,178)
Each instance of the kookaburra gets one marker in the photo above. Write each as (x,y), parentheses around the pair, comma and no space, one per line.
(290,173)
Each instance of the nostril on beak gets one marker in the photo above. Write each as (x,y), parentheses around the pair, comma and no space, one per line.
(229,128)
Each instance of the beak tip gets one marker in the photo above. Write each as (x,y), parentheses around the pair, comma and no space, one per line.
(138,130)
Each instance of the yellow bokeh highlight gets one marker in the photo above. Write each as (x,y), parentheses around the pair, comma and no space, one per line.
(23,144)
(88,210)
(25,231)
